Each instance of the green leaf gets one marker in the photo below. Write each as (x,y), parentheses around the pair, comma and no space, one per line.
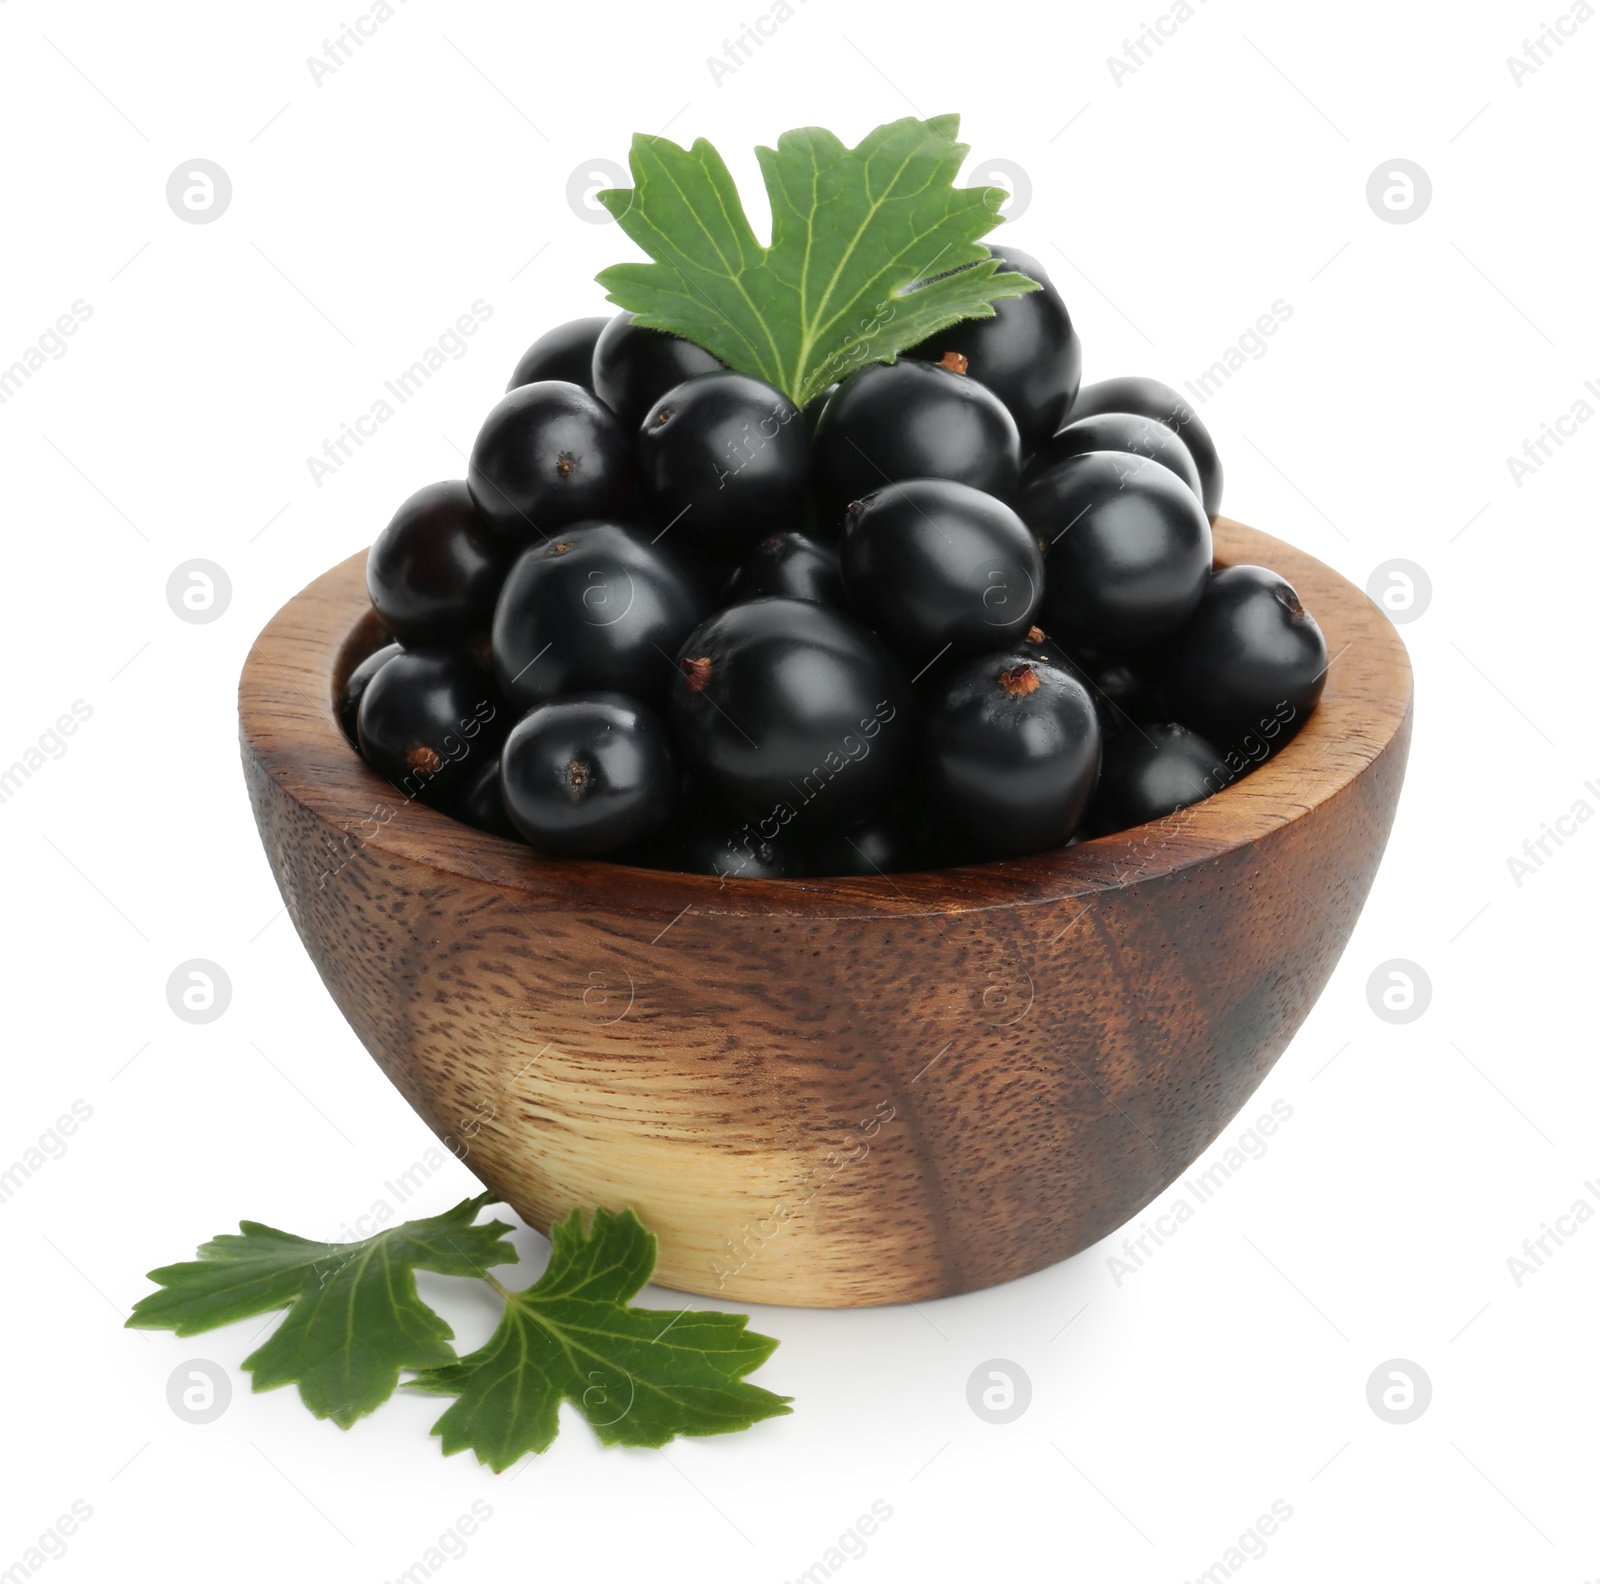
(873,249)
(639,1376)
(355,1320)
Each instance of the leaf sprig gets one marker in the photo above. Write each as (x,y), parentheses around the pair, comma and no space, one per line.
(873,249)
(355,1321)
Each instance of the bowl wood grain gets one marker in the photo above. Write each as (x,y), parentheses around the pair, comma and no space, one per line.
(842,1091)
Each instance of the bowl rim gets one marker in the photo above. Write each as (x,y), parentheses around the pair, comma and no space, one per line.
(289,730)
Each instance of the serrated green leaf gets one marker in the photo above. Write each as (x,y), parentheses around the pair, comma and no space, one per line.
(639,1376)
(355,1319)
(873,249)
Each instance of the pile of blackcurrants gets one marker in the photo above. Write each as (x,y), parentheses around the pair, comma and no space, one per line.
(956,610)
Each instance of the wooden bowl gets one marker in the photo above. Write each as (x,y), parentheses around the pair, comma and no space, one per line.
(840,1091)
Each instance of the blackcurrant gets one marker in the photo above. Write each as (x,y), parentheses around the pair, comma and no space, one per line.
(880,845)
(1151,770)
(1151,399)
(634,367)
(435,571)
(547,455)
(909,420)
(1009,757)
(1122,690)
(1091,671)
(724,459)
(722,845)
(481,803)
(1139,436)
(588,774)
(599,608)
(426,722)
(812,411)
(1248,667)
(565,353)
(1128,548)
(791,564)
(786,709)
(1028,354)
(938,567)
(356,684)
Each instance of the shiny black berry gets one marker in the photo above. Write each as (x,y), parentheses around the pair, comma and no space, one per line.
(549,454)
(1139,436)
(598,608)
(790,564)
(565,353)
(1151,399)
(1123,691)
(356,684)
(435,571)
(786,709)
(589,774)
(427,721)
(812,411)
(1028,354)
(1127,550)
(633,368)
(939,568)
(893,421)
(1249,666)
(723,845)
(481,803)
(723,460)
(1152,770)
(1009,757)
(881,845)
(1091,672)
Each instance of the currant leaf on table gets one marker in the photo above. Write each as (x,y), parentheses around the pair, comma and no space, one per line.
(873,249)
(355,1319)
(639,1376)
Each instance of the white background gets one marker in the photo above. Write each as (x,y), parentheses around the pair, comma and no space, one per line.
(1174,207)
